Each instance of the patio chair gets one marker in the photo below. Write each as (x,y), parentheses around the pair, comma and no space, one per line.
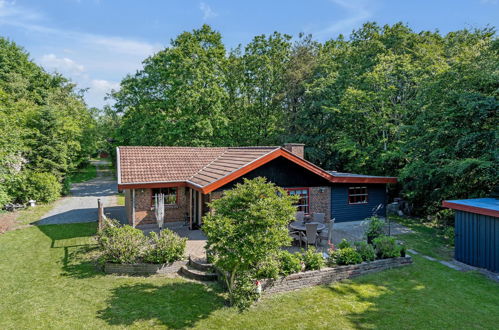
(296,235)
(311,236)
(300,216)
(318,217)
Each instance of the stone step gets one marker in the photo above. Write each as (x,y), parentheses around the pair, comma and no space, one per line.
(198,275)
(200,264)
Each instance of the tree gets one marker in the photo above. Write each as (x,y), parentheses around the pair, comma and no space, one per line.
(248,224)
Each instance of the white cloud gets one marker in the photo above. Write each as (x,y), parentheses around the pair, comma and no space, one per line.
(92,61)
(61,64)
(207,11)
(357,13)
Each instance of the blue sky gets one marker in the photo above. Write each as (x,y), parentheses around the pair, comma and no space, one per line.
(97,42)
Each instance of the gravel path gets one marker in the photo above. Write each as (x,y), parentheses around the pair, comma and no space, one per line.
(81,205)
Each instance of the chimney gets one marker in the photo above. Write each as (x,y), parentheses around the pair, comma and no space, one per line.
(296,148)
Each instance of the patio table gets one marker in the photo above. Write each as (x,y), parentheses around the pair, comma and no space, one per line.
(299,225)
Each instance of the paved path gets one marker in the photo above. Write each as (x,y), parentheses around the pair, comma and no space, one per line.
(81,205)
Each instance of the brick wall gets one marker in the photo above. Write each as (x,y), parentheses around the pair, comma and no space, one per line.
(144,213)
(329,275)
(320,200)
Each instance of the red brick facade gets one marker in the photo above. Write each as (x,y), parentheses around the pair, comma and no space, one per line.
(320,200)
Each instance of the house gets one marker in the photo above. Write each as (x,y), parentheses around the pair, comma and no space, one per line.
(190,177)
(476,231)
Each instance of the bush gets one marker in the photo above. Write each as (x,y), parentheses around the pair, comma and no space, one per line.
(449,234)
(244,292)
(313,260)
(374,229)
(386,247)
(366,251)
(166,247)
(344,244)
(345,256)
(42,187)
(122,245)
(269,268)
(66,187)
(4,197)
(445,218)
(290,263)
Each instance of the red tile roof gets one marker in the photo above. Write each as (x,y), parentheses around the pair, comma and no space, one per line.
(200,166)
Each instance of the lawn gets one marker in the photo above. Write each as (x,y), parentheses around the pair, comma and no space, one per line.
(47,281)
(85,173)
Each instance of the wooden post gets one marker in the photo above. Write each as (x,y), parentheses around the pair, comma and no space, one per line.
(133,208)
(200,206)
(190,208)
(100,213)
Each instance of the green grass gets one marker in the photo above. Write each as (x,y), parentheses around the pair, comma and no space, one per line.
(32,214)
(48,281)
(425,239)
(120,199)
(83,174)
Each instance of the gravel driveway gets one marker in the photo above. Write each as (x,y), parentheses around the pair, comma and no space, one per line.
(81,205)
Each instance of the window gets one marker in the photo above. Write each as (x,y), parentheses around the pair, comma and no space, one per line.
(303,202)
(357,195)
(170,195)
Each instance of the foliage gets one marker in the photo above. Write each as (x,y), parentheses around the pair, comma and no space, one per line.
(313,260)
(4,197)
(366,251)
(268,268)
(248,225)
(344,244)
(290,263)
(386,247)
(124,245)
(42,187)
(166,247)
(345,256)
(450,235)
(445,218)
(45,126)
(375,227)
(244,292)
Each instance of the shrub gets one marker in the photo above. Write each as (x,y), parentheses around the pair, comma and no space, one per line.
(313,260)
(375,228)
(121,244)
(4,197)
(366,251)
(268,268)
(345,256)
(244,292)
(42,187)
(66,187)
(290,263)
(444,218)
(449,234)
(386,247)
(166,247)
(344,244)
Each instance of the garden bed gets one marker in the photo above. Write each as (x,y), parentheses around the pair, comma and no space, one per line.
(143,268)
(330,274)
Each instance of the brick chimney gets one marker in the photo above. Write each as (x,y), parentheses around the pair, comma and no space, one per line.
(296,148)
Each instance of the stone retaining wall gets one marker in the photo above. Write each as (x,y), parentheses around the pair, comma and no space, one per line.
(329,275)
(144,269)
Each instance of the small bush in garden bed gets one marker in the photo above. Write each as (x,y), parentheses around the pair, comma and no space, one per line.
(269,268)
(128,245)
(290,263)
(313,260)
(345,256)
(344,244)
(123,245)
(374,229)
(386,247)
(366,251)
(166,247)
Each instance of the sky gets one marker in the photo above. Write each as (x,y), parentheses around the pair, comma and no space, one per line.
(96,43)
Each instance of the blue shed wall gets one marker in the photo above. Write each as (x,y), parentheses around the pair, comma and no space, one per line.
(477,240)
(342,211)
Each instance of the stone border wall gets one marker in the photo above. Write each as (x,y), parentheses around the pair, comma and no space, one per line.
(144,269)
(329,275)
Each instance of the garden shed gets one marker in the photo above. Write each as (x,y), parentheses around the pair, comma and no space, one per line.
(476,231)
